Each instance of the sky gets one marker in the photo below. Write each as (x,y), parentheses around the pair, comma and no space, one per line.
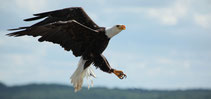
(167,44)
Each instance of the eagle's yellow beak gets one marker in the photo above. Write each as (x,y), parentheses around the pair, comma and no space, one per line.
(123,27)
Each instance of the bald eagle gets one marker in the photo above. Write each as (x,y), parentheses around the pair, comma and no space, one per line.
(74,30)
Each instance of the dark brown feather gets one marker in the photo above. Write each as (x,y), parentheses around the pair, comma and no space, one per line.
(71,35)
(73,13)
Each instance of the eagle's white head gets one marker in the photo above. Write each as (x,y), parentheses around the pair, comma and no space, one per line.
(112,31)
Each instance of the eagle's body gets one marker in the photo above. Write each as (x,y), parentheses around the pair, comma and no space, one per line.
(74,30)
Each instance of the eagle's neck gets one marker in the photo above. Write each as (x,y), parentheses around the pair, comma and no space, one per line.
(111,31)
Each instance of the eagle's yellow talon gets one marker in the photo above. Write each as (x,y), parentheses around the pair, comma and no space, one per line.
(119,74)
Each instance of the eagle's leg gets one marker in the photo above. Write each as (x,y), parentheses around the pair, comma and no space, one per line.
(102,62)
(119,74)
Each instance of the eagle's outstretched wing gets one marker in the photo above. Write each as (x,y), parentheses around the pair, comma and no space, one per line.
(71,27)
(71,35)
(72,13)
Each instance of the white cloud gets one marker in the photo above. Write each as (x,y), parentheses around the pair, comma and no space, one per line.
(94,16)
(186,64)
(204,20)
(170,15)
(1,40)
(31,5)
(165,61)
(167,15)
(153,72)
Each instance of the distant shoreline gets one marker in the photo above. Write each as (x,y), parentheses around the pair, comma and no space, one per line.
(58,91)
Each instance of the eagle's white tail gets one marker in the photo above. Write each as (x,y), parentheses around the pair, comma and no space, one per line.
(80,73)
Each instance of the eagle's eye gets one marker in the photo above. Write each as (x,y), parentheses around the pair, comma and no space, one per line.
(118,26)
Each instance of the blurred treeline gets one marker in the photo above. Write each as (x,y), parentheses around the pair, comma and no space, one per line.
(55,91)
